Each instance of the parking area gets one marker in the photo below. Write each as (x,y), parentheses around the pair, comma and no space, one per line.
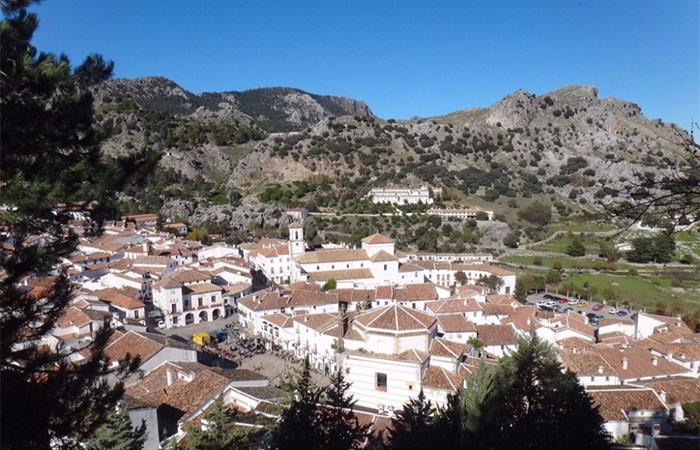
(561,307)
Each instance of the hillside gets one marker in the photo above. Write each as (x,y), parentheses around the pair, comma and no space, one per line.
(568,148)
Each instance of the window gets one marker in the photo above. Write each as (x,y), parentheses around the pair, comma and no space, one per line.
(201,302)
(213,298)
(592,378)
(174,308)
(607,378)
(381,381)
(384,266)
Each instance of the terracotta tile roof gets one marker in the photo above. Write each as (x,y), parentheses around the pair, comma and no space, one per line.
(497,310)
(413,292)
(344,274)
(404,268)
(585,363)
(677,389)
(119,299)
(614,403)
(395,318)
(304,286)
(188,276)
(616,338)
(385,292)
(455,323)
(202,288)
(413,355)
(273,252)
(382,256)
(501,299)
(294,224)
(436,377)
(574,342)
(237,287)
(332,255)
(689,351)
(281,320)
(451,305)
(318,322)
(73,317)
(354,295)
(151,260)
(639,362)
(496,334)
(377,239)
(263,300)
(621,321)
(447,349)
(134,344)
(523,318)
(312,298)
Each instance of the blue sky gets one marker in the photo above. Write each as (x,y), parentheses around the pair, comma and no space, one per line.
(403,58)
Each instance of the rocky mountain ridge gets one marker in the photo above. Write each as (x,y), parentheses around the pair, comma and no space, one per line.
(569,148)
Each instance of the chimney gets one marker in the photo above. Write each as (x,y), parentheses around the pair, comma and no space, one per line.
(662,396)
(654,361)
(169,375)
(600,369)
(624,363)
(575,349)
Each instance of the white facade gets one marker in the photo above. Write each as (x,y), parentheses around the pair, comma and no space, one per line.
(400,196)
(461,214)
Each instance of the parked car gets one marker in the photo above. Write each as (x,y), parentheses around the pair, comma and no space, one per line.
(161,324)
(622,313)
(597,307)
(550,304)
(541,303)
(549,297)
(594,322)
(573,301)
(591,315)
(582,304)
(563,300)
(613,311)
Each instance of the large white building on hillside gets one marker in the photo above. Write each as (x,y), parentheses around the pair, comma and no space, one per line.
(401,196)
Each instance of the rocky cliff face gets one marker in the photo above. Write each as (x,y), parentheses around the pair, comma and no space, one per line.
(277,109)
(569,147)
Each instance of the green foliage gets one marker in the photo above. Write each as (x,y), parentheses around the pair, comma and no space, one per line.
(533,399)
(576,247)
(411,428)
(537,213)
(217,431)
(329,285)
(342,430)
(520,291)
(50,155)
(117,433)
(511,240)
(658,249)
(300,425)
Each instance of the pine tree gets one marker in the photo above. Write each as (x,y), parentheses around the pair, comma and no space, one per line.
(50,155)
(537,406)
(576,247)
(217,431)
(117,433)
(412,427)
(342,428)
(300,425)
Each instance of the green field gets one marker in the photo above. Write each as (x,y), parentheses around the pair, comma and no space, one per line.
(560,244)
(567,262)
